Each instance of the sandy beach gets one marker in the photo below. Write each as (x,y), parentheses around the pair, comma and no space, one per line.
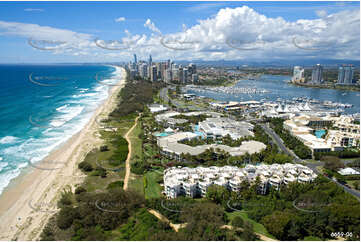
(30,200)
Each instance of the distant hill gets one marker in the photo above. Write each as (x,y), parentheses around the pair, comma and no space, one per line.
(275,63)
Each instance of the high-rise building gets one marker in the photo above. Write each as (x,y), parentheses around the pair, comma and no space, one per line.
(143,70)
(153,74)
(194,78)
(185,75)
(150,60)
(135,58)
(298,74)
(317,74)
(180,74)
(192,68)
(168,75)
(345,74)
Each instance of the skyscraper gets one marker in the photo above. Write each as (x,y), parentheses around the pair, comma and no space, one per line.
(345,74)
(298,74)
(153,74)
(150,60)
(135,58)
(317,74)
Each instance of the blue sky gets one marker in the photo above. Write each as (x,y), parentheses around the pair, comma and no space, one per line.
(97,20)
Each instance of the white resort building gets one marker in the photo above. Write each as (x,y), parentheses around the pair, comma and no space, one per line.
(344,134)
(194,182)
(170,146)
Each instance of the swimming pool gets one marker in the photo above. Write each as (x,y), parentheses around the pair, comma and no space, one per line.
(163,134)
(319,133)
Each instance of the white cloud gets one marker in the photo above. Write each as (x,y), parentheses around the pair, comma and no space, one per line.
(120,19)
(321,13)
(150,25)
(204,6)
(34,10)
(233,33)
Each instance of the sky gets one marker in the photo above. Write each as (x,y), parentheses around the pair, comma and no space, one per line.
(53,32)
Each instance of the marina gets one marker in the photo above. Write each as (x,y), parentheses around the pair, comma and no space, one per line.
(276,90)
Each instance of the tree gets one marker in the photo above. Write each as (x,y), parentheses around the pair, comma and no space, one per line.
(85,166)
(248,233)
(238,222)
(277,223)
(218,194)
(332,163)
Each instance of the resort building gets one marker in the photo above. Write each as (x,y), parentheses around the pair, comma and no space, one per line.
(220,127)
(324,134)
(348,171)
(170,146)
(156,108)
(194,182)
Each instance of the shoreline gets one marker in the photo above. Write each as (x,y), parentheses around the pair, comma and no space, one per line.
(30,199)
(340,88)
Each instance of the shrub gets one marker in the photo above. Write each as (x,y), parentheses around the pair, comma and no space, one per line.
(104,148)
(117,184)
(79,190)
(238,222)
(85,166)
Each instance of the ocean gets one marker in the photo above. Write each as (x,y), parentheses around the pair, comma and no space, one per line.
(278,87)
(43,106)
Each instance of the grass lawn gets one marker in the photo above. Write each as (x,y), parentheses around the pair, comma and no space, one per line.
(258,228)
(153,189)
(136,184)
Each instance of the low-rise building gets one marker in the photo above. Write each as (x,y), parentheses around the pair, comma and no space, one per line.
(194,182)
(348,171)
(221,127)
(170,146)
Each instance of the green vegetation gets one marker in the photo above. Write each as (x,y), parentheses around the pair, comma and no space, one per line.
(92,215)
(336,210)
(301,150)
(142,226)
(151,184)
(341,154)
(258,228)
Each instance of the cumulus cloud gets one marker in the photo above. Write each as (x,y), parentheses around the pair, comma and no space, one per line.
(321,13)
(231,34)
(120,19)
(150,25)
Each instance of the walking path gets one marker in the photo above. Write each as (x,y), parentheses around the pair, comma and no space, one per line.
(127,162)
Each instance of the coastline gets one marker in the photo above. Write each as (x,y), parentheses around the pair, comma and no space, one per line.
(30,199)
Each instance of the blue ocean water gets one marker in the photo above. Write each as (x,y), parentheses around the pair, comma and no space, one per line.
(279,87)
(43,106)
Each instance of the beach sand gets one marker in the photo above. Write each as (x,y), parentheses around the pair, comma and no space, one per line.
(30,200)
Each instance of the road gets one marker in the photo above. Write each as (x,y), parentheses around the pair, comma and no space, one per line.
(312,166)
(279,142)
